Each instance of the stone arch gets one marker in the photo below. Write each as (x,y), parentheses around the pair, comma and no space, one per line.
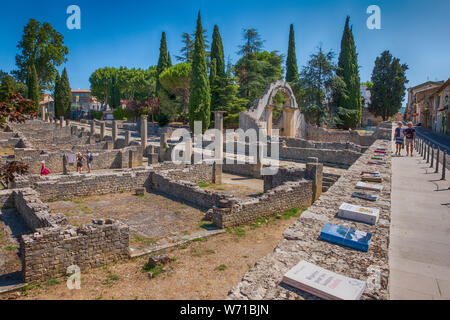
(260,115)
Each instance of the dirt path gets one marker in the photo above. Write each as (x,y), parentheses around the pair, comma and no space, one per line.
(201,269)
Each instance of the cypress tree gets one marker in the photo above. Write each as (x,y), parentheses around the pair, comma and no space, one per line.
(348,70)
(291,60)
(200,98)
(57,96)
(114,93)
(212,72)
(34,92)
(217,52)
(66,95)
(169,60)
(163,62)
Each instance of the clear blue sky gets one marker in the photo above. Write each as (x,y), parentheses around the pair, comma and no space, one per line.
(127,33)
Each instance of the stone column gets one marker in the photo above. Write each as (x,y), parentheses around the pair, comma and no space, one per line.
(269,119)
(92,128)
(289,122)
(61,122)
(257,168)
(67,123)
(314,172)
(127,138)
(162,147)
(65,161)
(144,131)
(218,120)
(47,117)
(114,132)
(43,113)
(102,130)
(188,151)
(217,173)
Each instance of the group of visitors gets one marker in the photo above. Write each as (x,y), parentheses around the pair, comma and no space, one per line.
(79,159)
(405,136)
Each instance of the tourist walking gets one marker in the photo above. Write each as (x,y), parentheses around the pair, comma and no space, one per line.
(398,138)
(410,136)
(44,170)
(89,159)
(80,160)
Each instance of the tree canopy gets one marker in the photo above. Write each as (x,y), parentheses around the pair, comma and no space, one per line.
(388,89)
(42,46)
(200,97)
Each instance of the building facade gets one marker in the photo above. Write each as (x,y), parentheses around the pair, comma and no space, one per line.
(83,101)
(419,108)
(440,108)
(368,119)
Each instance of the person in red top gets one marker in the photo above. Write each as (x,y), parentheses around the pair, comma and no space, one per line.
(44,170)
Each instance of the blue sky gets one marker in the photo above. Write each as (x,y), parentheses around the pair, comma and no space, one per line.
(127,33)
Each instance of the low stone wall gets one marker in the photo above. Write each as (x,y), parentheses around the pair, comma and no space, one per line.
(383,131)
(186,191)
(7,199)
(57,188)
(332,157)
(103,159)
(34,213)
(300,242)
(290,195)
(301,143)
(49,252)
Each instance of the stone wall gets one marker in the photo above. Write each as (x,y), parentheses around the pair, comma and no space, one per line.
(327,156)
(300,242)
(296,194)
(49,252)
(57,188)
(383,131)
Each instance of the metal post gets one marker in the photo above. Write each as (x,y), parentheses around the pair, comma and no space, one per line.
(432,157)
(444,160)
(428,152)
(437,161)
(424,151)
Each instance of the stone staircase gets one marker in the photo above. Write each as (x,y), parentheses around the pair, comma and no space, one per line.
(328,181)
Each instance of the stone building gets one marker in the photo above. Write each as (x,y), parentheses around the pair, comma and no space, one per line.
(419,106)
(440,105)
(368,118)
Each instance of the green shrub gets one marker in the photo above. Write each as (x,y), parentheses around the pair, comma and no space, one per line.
(96,115)
(163,120)
(120,114)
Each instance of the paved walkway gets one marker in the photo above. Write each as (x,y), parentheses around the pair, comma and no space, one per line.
(419,253)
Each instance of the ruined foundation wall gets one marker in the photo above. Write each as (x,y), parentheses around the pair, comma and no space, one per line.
(290,195)
(49,252)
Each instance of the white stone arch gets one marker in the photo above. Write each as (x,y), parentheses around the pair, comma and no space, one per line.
(259,116)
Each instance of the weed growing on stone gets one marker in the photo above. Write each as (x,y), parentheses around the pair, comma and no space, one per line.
(53,282)
(10,248)
(204,184)
(222,267)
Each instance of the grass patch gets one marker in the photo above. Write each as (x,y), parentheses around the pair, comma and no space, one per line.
(67,199)
(238,232)
(204,184)
(86,210)
(293,212)
(200,240)
(155,271)
(10,248)
(140,195)
(222,267)
(144,240)
(53,282)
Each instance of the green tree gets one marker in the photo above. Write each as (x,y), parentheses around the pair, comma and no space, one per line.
(256,69)
(114,93)
(350,102)
(217,53)
(34,93)
(291,60)
(42,46)
(177,81)
(316,79)
(163,62)
(57,96)
(388,89)
(100,81)
(187,49)
(8,86)
(200,97)
(62,108)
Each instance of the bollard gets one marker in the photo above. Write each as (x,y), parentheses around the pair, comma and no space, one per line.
(428,152)
(444,160)
(424,151)
(432,157)
(437,161)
